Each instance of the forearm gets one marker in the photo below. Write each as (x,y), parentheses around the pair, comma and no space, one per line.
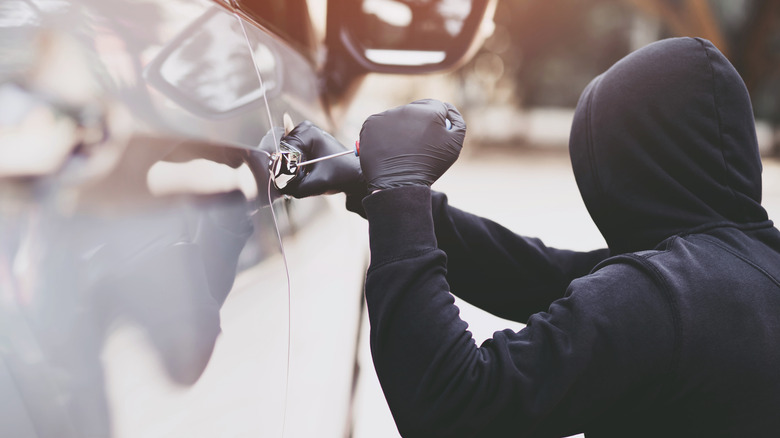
(436,380)
(499,271)
(418,340)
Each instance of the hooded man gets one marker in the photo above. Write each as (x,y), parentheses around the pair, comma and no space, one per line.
(672,331)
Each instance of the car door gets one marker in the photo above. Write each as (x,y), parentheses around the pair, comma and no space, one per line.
(154,281)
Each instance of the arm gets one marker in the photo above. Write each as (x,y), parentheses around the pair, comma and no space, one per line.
(488,263)
(568,367)
(495,269)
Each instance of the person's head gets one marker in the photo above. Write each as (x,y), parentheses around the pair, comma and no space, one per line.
(663,142)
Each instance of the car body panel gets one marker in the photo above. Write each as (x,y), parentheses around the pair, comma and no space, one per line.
(152,280)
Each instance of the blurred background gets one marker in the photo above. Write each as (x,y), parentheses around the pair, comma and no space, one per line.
(518,96)
(522,86)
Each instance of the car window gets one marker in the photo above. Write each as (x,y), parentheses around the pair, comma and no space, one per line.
(288,18)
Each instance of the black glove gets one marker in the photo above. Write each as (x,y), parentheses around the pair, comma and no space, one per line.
(340,174)
(410,145)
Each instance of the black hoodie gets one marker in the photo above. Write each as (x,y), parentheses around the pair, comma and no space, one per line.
(672,331)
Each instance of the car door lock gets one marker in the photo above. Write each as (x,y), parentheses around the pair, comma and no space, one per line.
(284,164)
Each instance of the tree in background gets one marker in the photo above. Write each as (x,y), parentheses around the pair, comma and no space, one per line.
(562,44)
(546,51)
(746,31)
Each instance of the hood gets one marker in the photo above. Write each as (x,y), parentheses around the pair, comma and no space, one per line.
(663,142)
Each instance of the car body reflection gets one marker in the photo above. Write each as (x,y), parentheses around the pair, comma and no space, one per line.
(139,230)
(81,260)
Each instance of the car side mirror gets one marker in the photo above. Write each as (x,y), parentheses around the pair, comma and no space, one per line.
(409,36)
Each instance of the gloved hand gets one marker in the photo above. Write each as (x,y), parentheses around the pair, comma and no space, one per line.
(410,144)
(340,174)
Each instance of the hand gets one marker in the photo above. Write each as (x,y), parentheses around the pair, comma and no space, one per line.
(410,145)
(340,174)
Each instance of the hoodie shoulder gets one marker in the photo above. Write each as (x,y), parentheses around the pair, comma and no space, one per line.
(626,289)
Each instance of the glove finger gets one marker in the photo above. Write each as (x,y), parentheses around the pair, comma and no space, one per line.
(300,128)
(297,188)
(426,101)
(299,138)
(305,184)
(330,176)
(430,109)
(313,181)
(274,134)
(455,117)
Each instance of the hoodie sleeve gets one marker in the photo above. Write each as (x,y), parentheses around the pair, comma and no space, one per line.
(508,275)
(569,365)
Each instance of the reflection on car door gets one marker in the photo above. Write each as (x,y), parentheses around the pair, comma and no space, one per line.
(144,291)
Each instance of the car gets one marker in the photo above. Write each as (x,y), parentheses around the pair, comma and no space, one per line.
(154,281)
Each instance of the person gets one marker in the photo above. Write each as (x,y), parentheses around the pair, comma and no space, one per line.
(673,330)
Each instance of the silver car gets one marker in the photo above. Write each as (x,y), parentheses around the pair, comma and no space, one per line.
(153,281)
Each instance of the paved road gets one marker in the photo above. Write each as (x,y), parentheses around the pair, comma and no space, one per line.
(533,193)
